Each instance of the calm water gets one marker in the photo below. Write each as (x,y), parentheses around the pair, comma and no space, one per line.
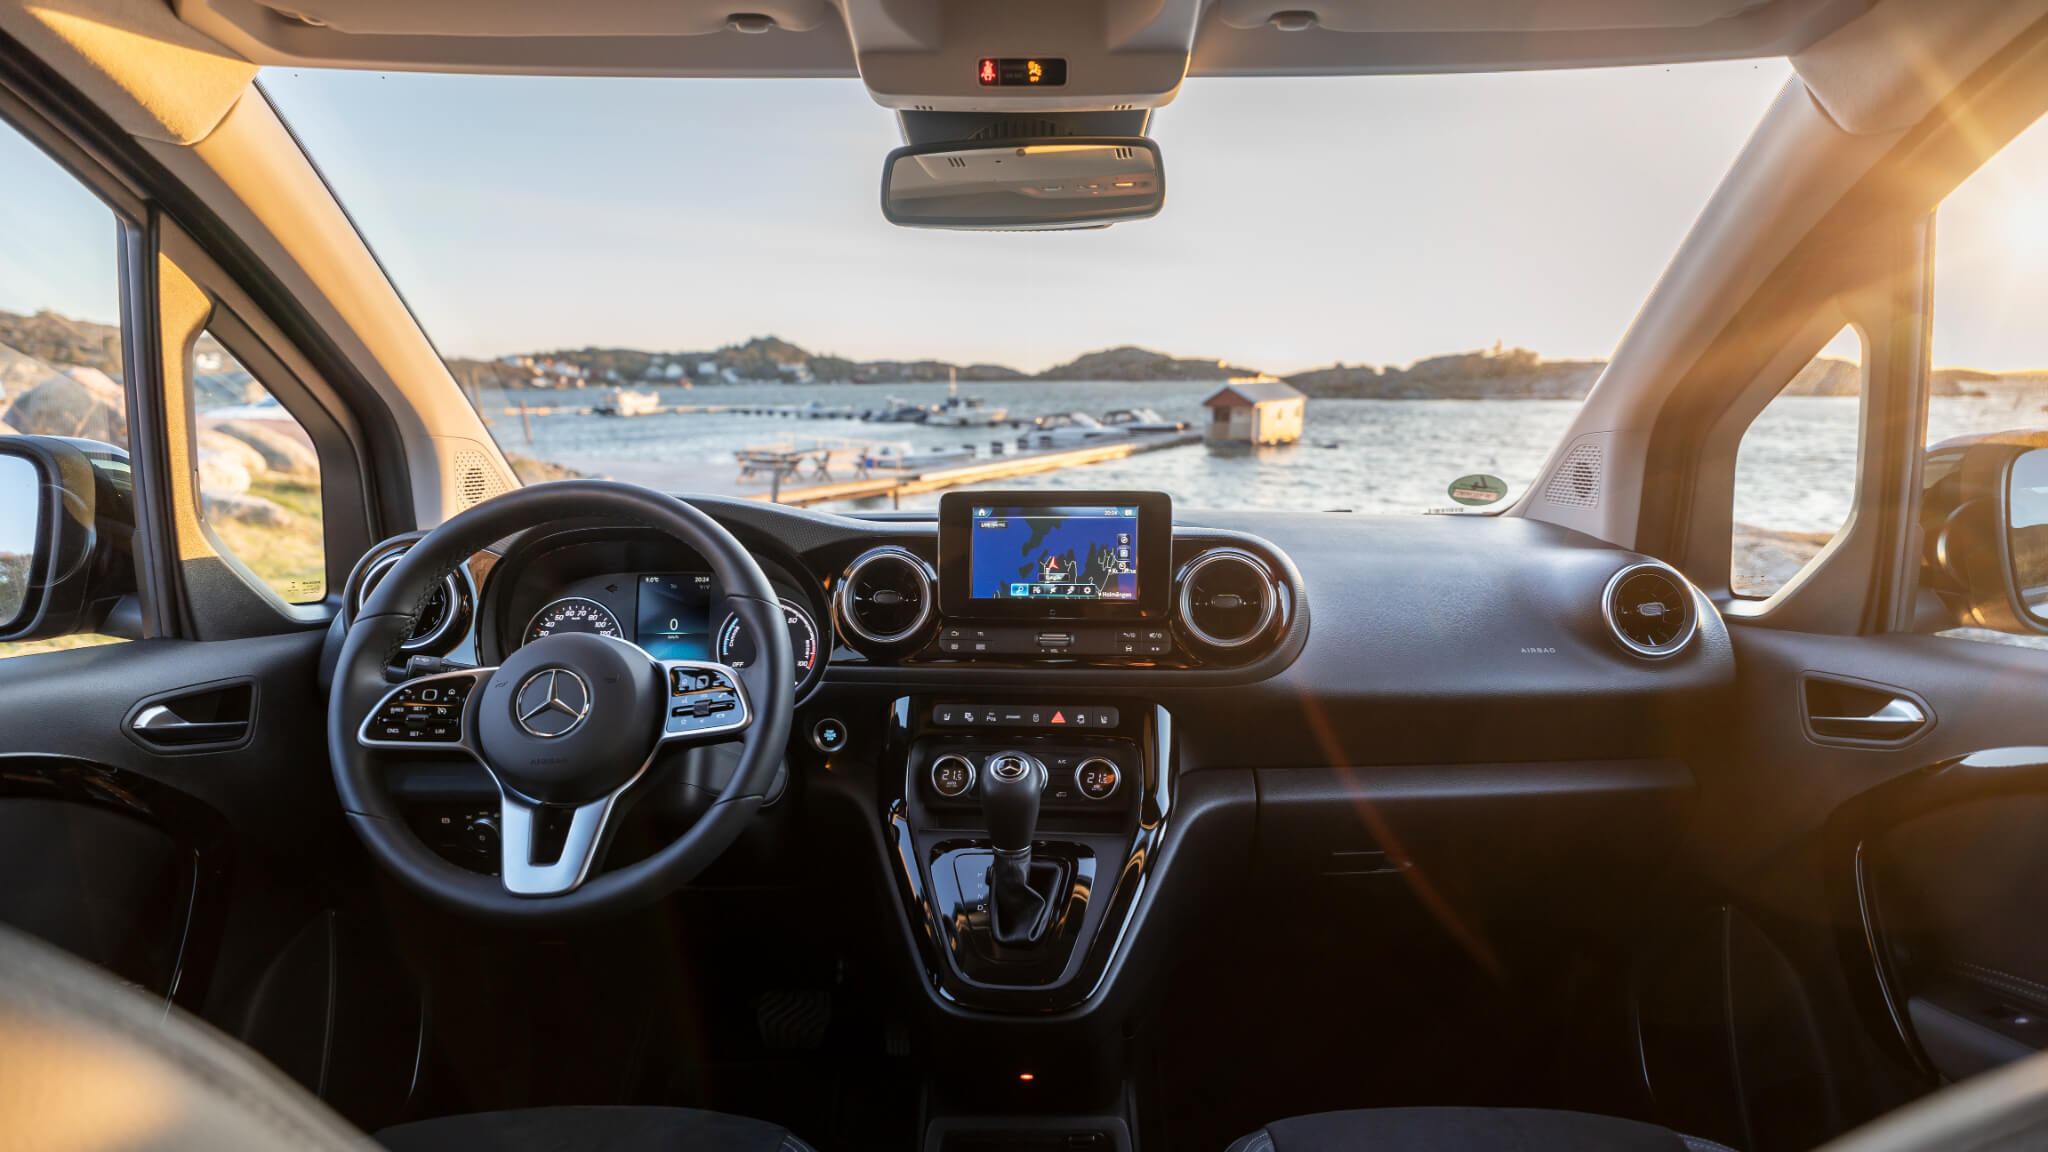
(1363,455)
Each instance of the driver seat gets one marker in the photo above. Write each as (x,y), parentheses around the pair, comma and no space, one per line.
(87,1062)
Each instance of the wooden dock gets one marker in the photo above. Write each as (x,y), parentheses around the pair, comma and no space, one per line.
(978,472)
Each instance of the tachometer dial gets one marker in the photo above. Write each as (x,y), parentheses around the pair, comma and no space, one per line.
(573,614)
(736,647)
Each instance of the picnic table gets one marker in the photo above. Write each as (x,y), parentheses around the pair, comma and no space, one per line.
(807,461)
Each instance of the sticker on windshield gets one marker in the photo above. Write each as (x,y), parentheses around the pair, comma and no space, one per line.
(1478,488)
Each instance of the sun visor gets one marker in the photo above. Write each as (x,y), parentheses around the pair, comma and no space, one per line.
(1888,70)
(157,78)
(1049,55)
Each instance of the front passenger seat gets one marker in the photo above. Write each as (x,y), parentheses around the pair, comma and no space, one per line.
(88,1063)
(1466,1130)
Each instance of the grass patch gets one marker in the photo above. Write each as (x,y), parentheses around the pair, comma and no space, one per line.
(291,558)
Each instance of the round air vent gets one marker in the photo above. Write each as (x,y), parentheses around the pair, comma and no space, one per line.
(444,606)
(1228,600)
(1649,607)
(885,601)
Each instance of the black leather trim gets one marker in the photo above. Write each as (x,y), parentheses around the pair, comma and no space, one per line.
(1465,1130)
(591,1129)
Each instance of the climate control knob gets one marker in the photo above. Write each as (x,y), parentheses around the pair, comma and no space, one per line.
(1097,778)
(952,775)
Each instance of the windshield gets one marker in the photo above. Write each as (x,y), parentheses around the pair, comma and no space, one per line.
(1382,294)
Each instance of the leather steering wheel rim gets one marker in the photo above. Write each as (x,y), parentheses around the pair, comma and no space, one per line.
(373,639)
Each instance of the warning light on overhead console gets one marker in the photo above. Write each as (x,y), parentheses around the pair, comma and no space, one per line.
(1018,71)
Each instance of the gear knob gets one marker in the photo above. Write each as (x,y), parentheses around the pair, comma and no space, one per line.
(1011,784)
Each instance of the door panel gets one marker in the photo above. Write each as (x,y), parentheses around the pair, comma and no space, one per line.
(124,848)
(1961,893)
(1931,847)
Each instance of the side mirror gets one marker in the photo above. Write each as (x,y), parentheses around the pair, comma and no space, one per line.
(1984,521)
(1055,182)
(66,522)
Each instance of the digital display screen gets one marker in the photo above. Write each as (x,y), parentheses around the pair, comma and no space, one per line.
(1054,553)
(1021,72)
(672,615)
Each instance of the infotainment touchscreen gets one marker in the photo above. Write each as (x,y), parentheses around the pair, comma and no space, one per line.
(1055,555)
(1063,552)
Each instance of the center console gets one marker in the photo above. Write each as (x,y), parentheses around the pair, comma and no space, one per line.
(1023,829)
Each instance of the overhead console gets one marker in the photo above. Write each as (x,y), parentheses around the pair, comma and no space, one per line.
(969,55)
(1094,577)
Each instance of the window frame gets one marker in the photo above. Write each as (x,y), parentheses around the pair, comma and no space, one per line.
(356,437)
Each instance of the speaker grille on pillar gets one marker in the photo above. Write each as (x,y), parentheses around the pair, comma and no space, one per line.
(1576,484)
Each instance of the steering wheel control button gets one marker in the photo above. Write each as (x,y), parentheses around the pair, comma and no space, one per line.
(421,713)
(702,700)
(552,702)
(1097,778)
(828,735)
(952,775)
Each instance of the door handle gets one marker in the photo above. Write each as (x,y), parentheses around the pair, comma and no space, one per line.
(196,718)
(159,725)
(1895,720)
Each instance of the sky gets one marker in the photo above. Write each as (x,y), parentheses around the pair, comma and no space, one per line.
(1367,220)
(1308,221)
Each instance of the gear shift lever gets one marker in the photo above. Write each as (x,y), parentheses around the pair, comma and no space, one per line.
(1011,784)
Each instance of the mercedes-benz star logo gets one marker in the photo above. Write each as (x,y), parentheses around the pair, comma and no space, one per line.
(552,702)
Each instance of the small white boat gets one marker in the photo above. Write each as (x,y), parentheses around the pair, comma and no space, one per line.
(1068,430)
(627,402)
(1141,420)
(903,458)
(966,412)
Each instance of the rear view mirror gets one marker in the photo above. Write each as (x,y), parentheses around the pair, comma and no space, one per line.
(66,519)
(1063,182)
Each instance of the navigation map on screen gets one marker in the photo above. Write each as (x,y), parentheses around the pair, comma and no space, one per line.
(1085,552)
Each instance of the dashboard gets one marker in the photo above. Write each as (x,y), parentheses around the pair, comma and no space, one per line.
(1560,645)
(1479,682)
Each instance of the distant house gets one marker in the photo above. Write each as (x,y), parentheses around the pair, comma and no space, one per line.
(1255,410)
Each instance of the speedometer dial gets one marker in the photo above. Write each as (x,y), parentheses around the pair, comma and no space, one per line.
(574,614)
(736,647)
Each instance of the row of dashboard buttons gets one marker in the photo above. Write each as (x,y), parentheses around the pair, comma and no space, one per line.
(1023,716)
(1112,641)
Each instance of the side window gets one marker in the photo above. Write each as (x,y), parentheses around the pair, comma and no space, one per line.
(1795,473)
(60,315)
(1989,349)
(259,480)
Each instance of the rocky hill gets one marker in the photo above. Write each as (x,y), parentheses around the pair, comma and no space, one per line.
(1128,362)
(1516,373)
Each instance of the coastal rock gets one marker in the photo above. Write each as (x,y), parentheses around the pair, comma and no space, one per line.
(531,470)
(221,473)
(279,450)
(81,402)
(222,445)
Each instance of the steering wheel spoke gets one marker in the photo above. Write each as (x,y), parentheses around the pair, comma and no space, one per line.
(431,713)
(549,849)
(707,703)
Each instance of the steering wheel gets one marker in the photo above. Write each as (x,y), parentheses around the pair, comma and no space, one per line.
(566,726)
